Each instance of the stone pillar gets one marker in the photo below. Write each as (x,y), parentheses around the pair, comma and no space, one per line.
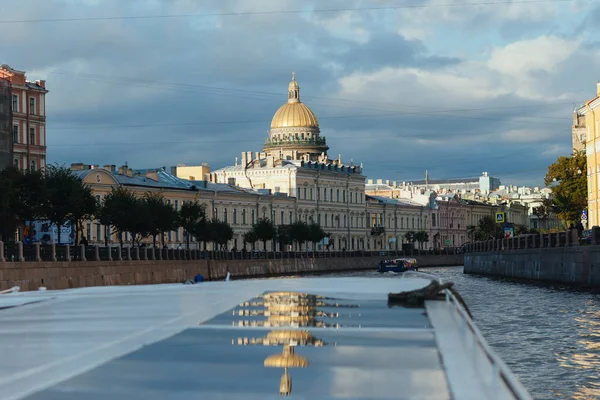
(97,252)
(2,251)
(567,239)
(53,252)
(137,253)
(129,254)
(38,257)
(549,240)
(109,253)
(158,254)
(120,253)
(68,252)
(82,247)
(557,239)
(20,257)
(575,237)
(153,253)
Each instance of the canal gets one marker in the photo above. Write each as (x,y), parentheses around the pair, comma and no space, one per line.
(548,335)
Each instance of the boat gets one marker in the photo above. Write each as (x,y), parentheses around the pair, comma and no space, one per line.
(309,338)
(398,265)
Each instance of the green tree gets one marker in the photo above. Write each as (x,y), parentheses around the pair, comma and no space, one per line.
(121,209)
(189,215)
(160,217)
(222,233)
(8,216)
(84,207)
(421,237)
(299,232)
(30,195)
(315,234)
(250,237)
(63,194)
(283,237)
(202,231)
(264,230)
(568,178)
(410,237)
(488,227)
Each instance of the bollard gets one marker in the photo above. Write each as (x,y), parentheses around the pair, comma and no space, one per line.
(97,252)
(557,239)
(575,237)
(2,251)
(82,247)
(38,257)
(20,257)
(120,253)
(53,252)
(68,252)
(137,253)
(128,253)
(109,251)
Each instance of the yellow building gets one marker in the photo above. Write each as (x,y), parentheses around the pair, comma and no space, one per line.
(591,112)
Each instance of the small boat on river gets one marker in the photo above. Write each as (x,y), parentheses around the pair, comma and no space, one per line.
(398,265)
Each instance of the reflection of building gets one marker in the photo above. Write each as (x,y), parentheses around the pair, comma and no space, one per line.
(29,120)
(285,309)
(591,112)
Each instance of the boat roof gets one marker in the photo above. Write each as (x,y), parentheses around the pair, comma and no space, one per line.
(230,340)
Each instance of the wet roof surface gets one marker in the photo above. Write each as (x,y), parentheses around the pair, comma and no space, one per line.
(340,348)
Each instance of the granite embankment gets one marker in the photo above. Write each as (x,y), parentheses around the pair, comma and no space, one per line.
(576,266)
(63,275)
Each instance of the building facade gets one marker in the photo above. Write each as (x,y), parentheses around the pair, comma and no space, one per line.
(591,112)
(28,105)
(6,145)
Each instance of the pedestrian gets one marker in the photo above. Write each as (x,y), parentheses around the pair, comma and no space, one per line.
(579,227)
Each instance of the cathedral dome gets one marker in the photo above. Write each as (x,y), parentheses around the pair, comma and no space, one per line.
(294,113)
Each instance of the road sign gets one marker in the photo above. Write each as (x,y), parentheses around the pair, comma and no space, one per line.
(499,217)
(448,242)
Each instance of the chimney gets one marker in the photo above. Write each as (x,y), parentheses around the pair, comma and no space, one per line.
(369,181)
(270,162)
(380,181)
(109,168)
(244,159)
(77,167)
(123,170)
(598,89)
(387,182)
(151,174)
(42,83)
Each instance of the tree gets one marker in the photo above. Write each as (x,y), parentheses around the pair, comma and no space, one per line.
(410,237)
(283,237)
(189,215)
(568,178)
(487,228)
(202,231)
(250,237)
(421,237)
(299,232)
(121,209)
(264,230)
(315,233)
(84,207)
(161,217)
(30,195)
(222,233)
(63,194)
(8,216)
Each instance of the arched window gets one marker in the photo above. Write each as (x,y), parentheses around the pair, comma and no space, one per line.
(225,215)
(33,165)
(243,217)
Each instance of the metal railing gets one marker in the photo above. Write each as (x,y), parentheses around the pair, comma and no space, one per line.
(30,253)
(536,241)
(500,372)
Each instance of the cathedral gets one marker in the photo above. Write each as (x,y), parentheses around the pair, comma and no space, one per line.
(294,163)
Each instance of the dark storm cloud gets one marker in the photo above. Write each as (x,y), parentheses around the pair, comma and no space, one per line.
(205,89)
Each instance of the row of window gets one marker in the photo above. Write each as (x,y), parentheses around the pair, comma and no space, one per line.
(32,164)
(16,105)
(17,137)
(307,193)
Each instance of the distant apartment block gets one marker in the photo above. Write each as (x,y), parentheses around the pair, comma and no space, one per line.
(28,103)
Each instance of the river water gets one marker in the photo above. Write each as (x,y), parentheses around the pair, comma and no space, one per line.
(549,336)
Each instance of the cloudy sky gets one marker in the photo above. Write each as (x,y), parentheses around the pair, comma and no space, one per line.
(455,87)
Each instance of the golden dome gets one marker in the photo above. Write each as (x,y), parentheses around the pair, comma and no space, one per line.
(287,359)
(294,113)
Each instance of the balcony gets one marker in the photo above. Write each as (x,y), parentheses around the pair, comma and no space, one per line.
(377,230)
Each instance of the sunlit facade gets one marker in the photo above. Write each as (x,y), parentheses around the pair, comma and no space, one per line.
(591,112)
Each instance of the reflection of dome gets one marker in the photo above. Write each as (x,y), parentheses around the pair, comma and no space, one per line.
(287,359)
(286,336)
(294,113)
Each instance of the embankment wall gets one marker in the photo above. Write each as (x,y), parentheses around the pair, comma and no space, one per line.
(577,266)
(63,275)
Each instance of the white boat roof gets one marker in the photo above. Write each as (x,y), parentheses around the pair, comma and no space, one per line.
(210,340)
